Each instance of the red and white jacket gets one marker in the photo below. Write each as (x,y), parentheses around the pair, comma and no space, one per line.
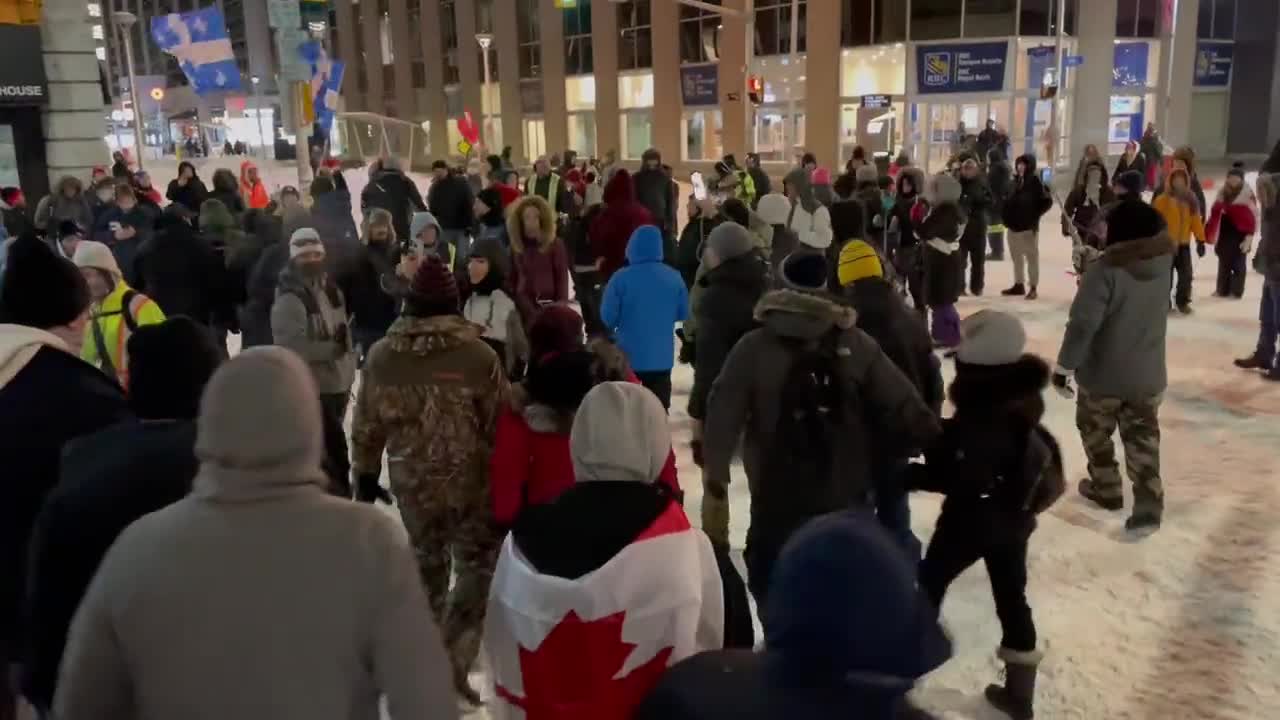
(592,648)
(1242,211)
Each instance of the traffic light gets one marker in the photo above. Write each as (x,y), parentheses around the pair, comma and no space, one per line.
(755,89)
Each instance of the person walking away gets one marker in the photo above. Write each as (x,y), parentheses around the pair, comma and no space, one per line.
(999,468)
(612,229)
(331,217)
(1132,160)
(939,224)
(118,311)
(1153,152)
(123,227)
(736,278)
(430,397)
(810,220)
(540,262)
(187,189)
(390,189)
(1177,205)
(181,272)
(643,566)
(585,271)
(1026,203)
(908,260)
(990,139)
(451,200)
(491,218)
(486,303)
(653,191)
(642,303)
(1114,345)
(67,203)
(1000,180)
(775,209)
(374,297)
(802,393)
(822,190)
(868,193)
(1231,226)
(902,336)
(846,635)
(111,478)
(759,178)
(259,442)
(975,198)
(1264,354)
(48,396)
(226,189)
(236,251)
(252,188)
(310,318)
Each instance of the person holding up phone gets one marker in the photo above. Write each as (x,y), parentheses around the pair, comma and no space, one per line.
(123,227)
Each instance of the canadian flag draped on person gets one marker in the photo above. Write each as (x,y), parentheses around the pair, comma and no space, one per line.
(597,593)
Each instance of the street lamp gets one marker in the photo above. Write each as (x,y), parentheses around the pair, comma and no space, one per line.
(125,22)
(257,102)
(486,41)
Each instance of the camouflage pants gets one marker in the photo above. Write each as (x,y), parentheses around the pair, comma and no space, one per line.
(452,541)
(1139,424)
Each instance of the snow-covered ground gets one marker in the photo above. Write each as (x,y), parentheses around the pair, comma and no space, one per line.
(1182,624)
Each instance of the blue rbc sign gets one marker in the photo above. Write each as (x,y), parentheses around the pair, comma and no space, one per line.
(937,69)
(961,68)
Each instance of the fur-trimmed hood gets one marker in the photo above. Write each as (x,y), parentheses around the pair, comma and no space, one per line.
(547,221)
(1131,255)
(802,315)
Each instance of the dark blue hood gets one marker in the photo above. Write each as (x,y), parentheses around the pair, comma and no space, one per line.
(843,605)
(645,245)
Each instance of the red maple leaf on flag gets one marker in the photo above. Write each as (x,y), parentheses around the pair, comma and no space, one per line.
(570,676)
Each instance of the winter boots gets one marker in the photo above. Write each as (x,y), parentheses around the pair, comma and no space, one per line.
(1257,361)
(1016,290)
(1032,294)
(1017,696)
(1142,521)
(1089,491)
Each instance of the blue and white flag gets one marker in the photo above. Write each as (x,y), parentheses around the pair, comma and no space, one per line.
(198,41)
(326,82)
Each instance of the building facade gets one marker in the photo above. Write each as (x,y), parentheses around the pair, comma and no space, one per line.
(887,75)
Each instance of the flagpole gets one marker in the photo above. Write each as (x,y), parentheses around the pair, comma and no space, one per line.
(125,21)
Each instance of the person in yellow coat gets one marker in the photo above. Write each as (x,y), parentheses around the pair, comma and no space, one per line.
(1181,212)
(117,311)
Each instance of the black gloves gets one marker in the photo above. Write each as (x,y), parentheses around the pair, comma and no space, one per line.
(688,348)
(1200,249)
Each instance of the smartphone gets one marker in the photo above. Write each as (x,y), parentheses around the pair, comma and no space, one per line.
(699,186)
(115,226)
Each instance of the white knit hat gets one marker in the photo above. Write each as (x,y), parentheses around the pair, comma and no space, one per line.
(619,434)
(304,240)
(774,209)
(991,337)
(91,254)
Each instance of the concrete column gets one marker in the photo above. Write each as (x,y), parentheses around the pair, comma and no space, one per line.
(1177,71)
(733,79)
(433,57)
(1091,98)
(668,101)
(822,84)
(604,39)
(371,39)
(469,70)
(73,126)
(1253,117)
(554,112)
(257,37)
(506,41)
(348,37)
(406,106)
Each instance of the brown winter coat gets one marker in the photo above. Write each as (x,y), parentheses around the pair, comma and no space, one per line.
(541,274)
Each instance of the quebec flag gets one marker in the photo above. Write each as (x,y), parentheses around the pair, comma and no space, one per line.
(198,41)
(326,82)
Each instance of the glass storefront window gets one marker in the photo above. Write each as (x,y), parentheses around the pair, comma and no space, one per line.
(580,92)
(535,137)
(878,70)
(8,158)
(637,133)
(635,91)
(582,133)
(1028,71)
(994,18)
(702,130)
(771,133)
(876,130)
(935,19)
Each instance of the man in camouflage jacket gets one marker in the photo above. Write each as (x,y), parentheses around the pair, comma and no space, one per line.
(430,396)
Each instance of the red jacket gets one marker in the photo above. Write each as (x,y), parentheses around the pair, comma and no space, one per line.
(1239,211)
(532,467)
(611,230)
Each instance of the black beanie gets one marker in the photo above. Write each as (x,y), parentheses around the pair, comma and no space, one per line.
(805,271)
(1132,182)
(41,290)
(169,365)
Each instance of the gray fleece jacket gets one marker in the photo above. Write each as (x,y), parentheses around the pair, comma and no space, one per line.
(1115,338)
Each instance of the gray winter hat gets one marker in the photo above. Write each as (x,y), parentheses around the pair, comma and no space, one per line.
(619,434)
(421,221)
(991,337)
(730,240)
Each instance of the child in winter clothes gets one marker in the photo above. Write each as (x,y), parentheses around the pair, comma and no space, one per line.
(486,303)
(939,223)
(1231,227)
(642,304)
(1181,212)
(908,259)
(998,468)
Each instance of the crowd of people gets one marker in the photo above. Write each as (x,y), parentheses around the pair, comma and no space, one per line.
(183,538)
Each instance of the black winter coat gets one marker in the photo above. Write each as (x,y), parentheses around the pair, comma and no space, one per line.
(229,197)
(452,201)
(183,274)
(255,316)
(1027,202)
(371,305)
(1000,180)
(884,315)
(54,398)
(689,249)
(725,313)
(191,196)
(976,200)
(394,192)
(1086,215)
(942,279)
(331,217)
(653,190)
(873,215)
(108,480)
(1139,165)
(764,185)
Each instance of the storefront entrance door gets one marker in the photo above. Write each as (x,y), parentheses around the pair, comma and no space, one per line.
(950,127)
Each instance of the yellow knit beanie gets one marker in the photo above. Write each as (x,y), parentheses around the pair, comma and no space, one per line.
(858,260)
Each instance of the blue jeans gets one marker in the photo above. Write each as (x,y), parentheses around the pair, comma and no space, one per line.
(1269,320)
(894,511)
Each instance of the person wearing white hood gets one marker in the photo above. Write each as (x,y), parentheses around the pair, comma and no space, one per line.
(258,595)
(48,396)
(810,219)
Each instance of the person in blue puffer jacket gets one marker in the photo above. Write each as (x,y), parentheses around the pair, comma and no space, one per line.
(642,303)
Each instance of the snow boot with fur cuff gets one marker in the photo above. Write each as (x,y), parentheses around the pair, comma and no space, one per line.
(1016,697)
